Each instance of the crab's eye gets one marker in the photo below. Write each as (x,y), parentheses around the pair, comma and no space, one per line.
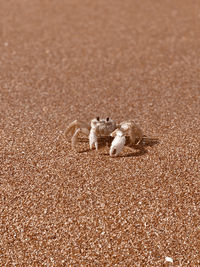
(107,119)
(97,118)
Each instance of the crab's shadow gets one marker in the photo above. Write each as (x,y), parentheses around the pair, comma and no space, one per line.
(140,148)
(138,153)
(148,141)
(129,155)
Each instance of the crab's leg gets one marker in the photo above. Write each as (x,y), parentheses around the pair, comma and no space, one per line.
(140,136)
(93,139)
(73,126)
(132,130)
(74,140)
(135,132)
(132,137)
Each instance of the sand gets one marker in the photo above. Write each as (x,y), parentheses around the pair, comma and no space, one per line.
(67,60)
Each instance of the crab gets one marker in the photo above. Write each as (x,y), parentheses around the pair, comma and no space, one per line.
(105,127)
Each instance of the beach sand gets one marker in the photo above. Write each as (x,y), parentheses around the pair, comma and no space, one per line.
(67,60)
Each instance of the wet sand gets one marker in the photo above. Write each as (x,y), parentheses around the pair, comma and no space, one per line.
(66,60)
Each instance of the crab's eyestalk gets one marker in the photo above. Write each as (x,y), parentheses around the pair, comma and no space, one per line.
(107,119)
(97,118)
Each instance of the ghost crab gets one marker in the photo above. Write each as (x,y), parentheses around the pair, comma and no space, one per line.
(103,128)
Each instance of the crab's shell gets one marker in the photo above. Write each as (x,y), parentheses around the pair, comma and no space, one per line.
(104,127)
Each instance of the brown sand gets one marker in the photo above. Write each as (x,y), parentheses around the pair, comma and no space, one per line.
(62,60)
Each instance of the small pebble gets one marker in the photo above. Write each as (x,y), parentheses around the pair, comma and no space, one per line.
(168,259)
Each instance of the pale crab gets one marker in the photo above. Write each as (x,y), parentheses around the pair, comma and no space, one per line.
(103,128)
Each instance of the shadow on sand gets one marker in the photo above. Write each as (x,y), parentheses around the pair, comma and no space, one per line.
(141,147)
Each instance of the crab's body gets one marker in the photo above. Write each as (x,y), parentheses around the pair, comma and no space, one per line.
(103,128)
